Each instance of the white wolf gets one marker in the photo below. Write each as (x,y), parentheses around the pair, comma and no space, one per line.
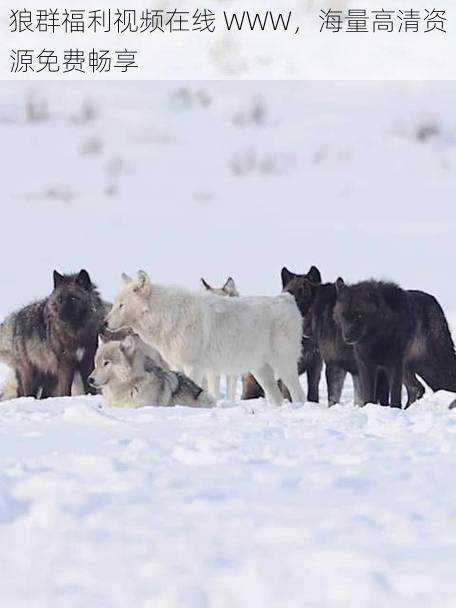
(129,377)
(228,290)
(223,335)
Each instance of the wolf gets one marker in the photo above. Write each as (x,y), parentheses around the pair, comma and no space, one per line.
(129,376)
(316,302)
(395,330)
(310,361)
(375,318)
(229,290)
(222,335)
(47,342)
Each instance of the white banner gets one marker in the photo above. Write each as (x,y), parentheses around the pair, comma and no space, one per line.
(294,39)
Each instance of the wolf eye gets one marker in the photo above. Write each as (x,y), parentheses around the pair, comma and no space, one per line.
(105,363)
(121,305)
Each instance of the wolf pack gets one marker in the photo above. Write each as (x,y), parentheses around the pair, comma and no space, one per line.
(157,345)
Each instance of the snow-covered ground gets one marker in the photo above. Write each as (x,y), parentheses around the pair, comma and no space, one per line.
(243,505)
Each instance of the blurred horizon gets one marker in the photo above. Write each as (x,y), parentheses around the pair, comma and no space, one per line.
(191,179)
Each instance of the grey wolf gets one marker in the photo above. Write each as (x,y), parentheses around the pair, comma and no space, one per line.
(49,341)
(229,290)
(203,334)
(128,377)
(310,362)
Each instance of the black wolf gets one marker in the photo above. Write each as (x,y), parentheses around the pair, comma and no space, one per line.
(52,339)
(396,331)
(376,319)
(317,303)
(310,361)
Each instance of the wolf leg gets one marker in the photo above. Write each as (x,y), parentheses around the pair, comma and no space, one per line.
(313,378)
(382,390)
(26,381)
(291,380)
(285,392)
(265,377)
(357,390)
(65,375)
(250,388)
(213,385)
(335,377)
(231,386)
(415,390)
(395,383)
(48,384)
(368,381)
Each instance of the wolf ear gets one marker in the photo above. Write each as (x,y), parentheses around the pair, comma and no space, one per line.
(83,279)
(340,285)
(230,287)
(206,284)
(143,281)
(314,275)
(126,279)
(58,279)
(287,276)
(128,345)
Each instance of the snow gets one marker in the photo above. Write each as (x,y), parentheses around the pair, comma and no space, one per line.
(243,505)
(122,176)
(246,504)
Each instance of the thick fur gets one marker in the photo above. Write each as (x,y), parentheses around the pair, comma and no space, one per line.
(431,352)
(310,362)
(228,290)
(316,302)
(317,305)
(222,335)
(393,329)
(49,341)
(131,374)
(376,319)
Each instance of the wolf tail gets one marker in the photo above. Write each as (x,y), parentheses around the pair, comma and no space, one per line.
(437,366)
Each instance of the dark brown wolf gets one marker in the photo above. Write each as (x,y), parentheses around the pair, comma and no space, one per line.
(310,362)
(50,340)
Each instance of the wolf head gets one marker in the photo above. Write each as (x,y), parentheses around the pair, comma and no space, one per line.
(113,361)
(71,298)
(357,310)
(228,289)
(131,303)
(302,286)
